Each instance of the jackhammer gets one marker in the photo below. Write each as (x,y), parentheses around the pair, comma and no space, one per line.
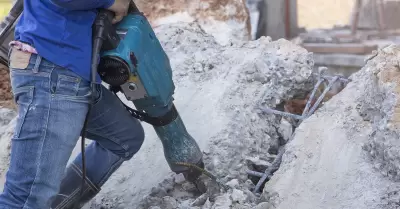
(130,59)
(133,62)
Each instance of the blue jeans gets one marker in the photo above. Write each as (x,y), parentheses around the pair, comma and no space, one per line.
(52,105)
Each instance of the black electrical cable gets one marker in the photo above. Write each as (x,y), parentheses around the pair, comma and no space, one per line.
(97,44)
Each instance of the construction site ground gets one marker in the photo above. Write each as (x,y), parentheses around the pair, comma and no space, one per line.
(235,97)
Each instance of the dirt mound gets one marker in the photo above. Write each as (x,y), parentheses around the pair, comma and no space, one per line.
(222,18)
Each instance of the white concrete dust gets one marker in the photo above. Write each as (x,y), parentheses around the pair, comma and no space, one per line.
(219,89)
(327,164)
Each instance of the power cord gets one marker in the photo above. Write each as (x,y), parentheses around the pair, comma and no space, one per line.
(98,39)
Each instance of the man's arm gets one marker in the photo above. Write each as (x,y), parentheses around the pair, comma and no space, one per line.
(83,4)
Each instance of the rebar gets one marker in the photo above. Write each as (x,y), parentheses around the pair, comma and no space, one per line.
(276,164)
(255,173)
(270,170)
(321,97)
(311,97)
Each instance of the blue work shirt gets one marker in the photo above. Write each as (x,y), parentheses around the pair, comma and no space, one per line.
(61,31)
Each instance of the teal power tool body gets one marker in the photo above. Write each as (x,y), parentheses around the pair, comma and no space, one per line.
(133,62)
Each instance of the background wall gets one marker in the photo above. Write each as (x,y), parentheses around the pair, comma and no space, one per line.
(369,16)
(323,13)
(5,6)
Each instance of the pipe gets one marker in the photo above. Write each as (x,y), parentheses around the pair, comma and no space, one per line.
(255,173)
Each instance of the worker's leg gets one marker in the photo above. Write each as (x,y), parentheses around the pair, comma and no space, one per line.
(52,104)
(118,137)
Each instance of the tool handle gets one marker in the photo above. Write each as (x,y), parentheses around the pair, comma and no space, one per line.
(133,8)
(106,15)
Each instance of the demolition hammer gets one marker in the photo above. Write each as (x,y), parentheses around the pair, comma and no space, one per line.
(133,62)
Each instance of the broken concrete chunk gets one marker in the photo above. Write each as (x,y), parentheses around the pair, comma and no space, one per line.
(222,202)
(158,192)
(179,178)
(348,148)
(169,203)
(207,205)
(154,207)
(200,200)
(238,196)
(286,130)
(263,205)
(234,183)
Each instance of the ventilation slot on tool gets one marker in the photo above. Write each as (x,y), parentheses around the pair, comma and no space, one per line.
(114,71)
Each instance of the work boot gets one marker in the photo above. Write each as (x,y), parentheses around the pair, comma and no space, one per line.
(70,196)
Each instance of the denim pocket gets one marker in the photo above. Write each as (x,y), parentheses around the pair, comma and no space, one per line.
(67,85)
(23,97)
(19,60)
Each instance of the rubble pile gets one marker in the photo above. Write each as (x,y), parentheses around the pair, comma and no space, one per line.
(233,82)
(225,20)
(347,154)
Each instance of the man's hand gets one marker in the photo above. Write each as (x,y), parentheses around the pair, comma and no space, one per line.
(120,8)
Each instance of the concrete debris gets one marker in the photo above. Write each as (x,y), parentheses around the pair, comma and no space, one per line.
(286,130)
(238,196)
(219,106)
(345,155)
(382,108)
(328,162)
(225,20)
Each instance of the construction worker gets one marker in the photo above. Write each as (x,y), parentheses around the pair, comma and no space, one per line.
(50,77)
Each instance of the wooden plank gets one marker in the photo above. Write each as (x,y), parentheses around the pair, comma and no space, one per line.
(347,48)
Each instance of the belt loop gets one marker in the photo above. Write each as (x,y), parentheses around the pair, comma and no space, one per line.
(37,64)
